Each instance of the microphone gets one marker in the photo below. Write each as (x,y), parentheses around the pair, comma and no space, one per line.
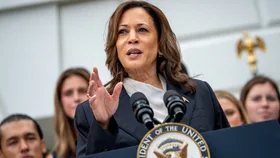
(141,109)
(175,105)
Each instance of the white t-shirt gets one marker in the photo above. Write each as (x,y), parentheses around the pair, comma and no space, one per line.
(153,94)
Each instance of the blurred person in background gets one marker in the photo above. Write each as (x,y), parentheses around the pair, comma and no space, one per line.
(260,97)
(233,108)
(21,137)
(71,89)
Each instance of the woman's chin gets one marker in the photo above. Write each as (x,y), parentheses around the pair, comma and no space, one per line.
(135,67)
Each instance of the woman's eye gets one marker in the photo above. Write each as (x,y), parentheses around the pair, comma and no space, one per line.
(143,30)
(257,98)
(68,93)
(122,31)
(271,98)
(229,112)
(82,90)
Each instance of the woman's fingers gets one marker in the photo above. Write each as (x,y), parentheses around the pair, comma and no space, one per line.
(94,75)
(117,91)
(97,78)
(94,85)
(91,75)
(92,88)
(91,99)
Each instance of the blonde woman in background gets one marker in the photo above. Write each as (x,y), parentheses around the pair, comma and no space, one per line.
(71,89)
(233,108)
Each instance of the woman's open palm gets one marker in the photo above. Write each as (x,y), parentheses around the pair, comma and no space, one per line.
(103,105)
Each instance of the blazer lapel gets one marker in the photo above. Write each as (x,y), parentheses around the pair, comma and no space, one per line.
(187,97)
(126,119)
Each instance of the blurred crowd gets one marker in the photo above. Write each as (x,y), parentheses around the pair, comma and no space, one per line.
(259,101)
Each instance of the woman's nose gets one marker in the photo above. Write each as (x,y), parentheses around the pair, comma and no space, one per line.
(133,38)
(264,103)
(77,97)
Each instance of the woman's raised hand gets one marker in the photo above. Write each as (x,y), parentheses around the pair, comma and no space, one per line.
(103,105)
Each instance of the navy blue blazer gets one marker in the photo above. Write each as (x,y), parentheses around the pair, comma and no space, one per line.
(204,113)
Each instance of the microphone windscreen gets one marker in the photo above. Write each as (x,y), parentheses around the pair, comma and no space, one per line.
(168,94)
(137,96)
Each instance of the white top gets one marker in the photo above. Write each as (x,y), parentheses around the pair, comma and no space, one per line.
(153,94)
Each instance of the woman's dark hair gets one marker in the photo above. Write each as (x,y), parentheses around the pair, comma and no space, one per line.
(169,59)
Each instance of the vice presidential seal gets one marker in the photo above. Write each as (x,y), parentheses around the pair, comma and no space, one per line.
(173,140)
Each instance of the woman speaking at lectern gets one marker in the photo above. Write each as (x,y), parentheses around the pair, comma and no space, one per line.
(142,56)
